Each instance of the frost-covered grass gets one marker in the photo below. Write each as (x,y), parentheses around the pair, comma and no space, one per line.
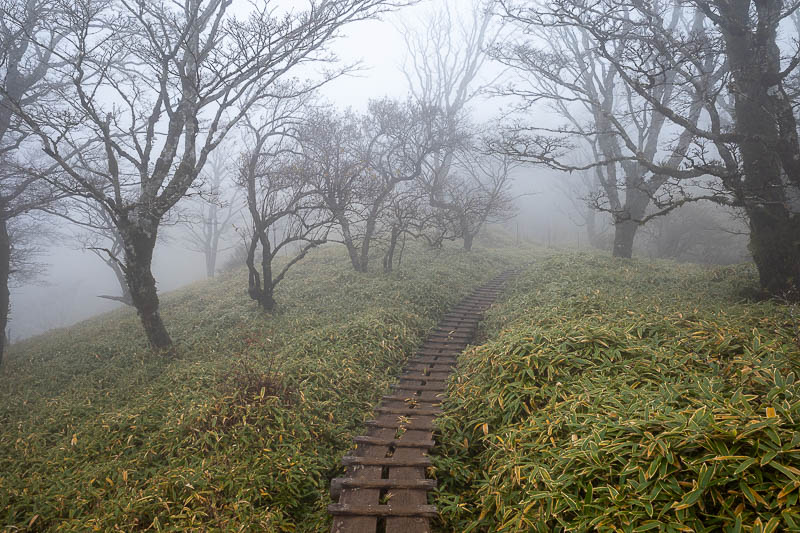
(626,396)
(240,429)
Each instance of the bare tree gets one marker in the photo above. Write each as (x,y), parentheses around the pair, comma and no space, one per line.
(478,190)
(285,211)
(175,79)
(623,130)
(211,217)
(401,138)
(335,163)
(23,67)
(752,152)
(360,161)
(405,215)
(445,59)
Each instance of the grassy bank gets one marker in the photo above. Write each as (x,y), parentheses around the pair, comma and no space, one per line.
(626,396)
(242,428)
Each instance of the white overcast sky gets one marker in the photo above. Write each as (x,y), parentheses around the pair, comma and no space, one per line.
(379,47)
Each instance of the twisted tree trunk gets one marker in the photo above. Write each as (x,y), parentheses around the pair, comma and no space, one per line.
(624,236)
(770,151)
(140,240)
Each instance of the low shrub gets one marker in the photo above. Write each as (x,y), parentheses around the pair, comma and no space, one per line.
(625,396)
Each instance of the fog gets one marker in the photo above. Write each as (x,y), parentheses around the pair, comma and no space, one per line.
(530,247)
(67,292)
(550,206)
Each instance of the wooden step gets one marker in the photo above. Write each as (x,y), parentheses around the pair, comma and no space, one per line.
(428,373)
(439,352)
(450,332)
(394,443)
(459,323)
(352,460)
(340,483)
(438,387)
(413,424)
(406,411)
(423,511)
(441,360)
(411,398)
(418,376)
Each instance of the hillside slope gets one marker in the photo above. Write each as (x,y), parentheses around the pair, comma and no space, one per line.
(242,428)
(626,396)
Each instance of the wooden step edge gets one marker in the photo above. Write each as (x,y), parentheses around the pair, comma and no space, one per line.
(440,341)
(446,332)
(338,484)
(408,411)
(429,357)
(367,483)
(421,377)
(430,388)
(354,460)
(426,367)
(410,399)
(396,443)
(446,338)
(411,425)
(346,509)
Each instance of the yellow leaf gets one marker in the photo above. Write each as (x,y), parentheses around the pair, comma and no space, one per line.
(125,475)
(74,440)
(771,412)
(485,428)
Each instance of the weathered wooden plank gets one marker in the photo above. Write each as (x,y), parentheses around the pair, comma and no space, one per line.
(411,397)
(408,497)
(414,459)
(382,510)
(361,497)
(428,373)
(412,423)
(395,443)
(419,376)
(438,387)
(340,483)
(408,411)
(435,356)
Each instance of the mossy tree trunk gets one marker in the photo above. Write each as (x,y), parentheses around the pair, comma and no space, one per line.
(624,236)
(769,188)
(139,240)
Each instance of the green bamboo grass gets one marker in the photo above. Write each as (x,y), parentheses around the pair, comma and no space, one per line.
(625,396)
(243,427)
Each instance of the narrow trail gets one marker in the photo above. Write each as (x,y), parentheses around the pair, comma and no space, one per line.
(385,487)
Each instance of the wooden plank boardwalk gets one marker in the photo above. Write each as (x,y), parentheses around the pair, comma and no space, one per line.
(385,487)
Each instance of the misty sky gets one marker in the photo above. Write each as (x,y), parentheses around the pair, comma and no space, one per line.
(67,291)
